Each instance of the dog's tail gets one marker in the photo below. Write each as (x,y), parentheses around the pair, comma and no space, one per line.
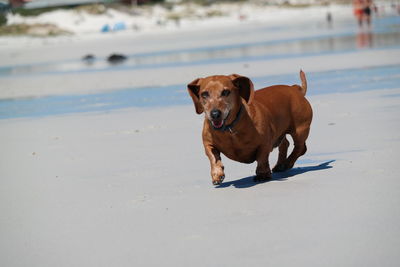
(303,87)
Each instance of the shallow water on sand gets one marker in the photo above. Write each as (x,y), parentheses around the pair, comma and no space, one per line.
(341,81)
(221,54)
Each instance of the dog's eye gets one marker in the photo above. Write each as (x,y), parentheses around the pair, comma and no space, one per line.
(205,95)
(225,92)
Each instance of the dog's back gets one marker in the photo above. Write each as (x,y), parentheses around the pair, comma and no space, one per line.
(286,107)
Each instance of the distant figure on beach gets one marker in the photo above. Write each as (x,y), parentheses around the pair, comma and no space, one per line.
(116,58)
(329,19)
(362,11)
(89,59)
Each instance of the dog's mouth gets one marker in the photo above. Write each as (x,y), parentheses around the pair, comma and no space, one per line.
(217,123)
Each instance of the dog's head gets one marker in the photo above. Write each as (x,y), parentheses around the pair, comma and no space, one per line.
(220,97)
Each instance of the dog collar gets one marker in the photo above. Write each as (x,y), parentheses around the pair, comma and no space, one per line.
(230,126)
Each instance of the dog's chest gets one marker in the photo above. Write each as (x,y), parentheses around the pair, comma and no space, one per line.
(236,147)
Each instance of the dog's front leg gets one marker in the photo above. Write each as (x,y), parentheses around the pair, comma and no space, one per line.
(217,168)
(263,171)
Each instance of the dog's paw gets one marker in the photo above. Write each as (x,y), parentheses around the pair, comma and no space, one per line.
(281,167)
(218,175)
(219,180)
(263,173)
(262,177)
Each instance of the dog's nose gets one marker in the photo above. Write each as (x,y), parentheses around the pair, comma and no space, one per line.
(215,114)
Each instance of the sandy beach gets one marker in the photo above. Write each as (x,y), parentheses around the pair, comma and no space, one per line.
(104,165)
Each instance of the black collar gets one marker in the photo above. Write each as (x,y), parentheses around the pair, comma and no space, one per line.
(230,126)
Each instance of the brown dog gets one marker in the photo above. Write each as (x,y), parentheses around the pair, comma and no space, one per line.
(246,125)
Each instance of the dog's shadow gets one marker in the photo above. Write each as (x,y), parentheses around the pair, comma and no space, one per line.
(279,176)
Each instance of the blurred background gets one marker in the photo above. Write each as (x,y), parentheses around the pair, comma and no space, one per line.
(65,56)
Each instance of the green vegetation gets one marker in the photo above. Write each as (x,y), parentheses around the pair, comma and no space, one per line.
(3,19)
(39,30)
(95,9)
(190,12)
(214,13)
(35,11)
(91,9)
(210,2)
(287,4)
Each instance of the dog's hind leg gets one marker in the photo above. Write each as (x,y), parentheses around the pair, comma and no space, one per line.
(300,148)
(283,149)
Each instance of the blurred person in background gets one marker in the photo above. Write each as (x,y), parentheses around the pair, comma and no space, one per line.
(362,11)
(367,11)
(358,10)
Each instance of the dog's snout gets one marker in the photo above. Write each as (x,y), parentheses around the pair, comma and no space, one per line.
(215,114)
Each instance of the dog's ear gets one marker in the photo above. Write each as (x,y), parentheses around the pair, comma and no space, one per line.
(246,88)
(193,89)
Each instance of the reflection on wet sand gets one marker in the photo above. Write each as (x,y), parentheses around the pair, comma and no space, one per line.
(220,54)
(364,39)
